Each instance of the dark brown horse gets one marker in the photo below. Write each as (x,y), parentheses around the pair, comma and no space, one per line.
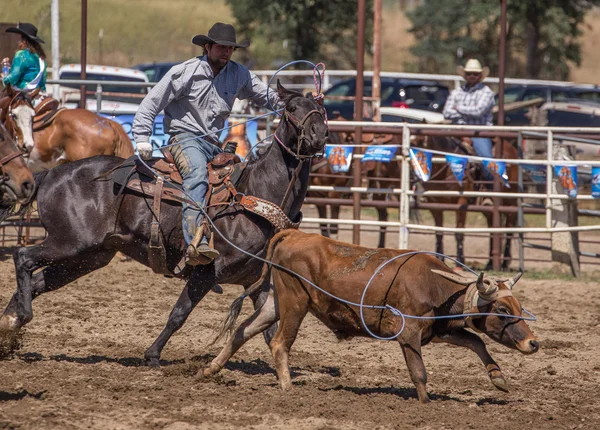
(442,179)
(88,220)
(75,134)
(374,175)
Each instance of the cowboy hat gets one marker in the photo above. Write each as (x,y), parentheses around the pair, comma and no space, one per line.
(27,30)
(473,66)
(222,34)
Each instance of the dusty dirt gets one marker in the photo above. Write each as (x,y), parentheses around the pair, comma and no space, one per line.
(80,366)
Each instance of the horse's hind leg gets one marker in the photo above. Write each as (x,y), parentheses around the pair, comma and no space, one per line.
(335,215)
(322,210)
(199,284)
(461,221)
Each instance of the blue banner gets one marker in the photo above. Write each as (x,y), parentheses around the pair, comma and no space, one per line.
(421,163)
(379,153)
(458,166)
(567,178)
(536,172)
(496,168)
(158,138)
(339,157)
(596,181)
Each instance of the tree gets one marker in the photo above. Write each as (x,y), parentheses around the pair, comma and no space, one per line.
(315,30)
(542,35)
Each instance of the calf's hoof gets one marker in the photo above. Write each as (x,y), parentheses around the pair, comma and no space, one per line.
(499,382)
(211,370)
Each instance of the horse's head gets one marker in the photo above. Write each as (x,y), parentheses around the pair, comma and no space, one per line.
(16,180)
(18,113)
(303,123)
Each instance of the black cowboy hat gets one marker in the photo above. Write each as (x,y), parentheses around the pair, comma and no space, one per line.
(25,29)
(222,34)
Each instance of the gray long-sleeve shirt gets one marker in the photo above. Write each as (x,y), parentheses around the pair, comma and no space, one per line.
(195,101)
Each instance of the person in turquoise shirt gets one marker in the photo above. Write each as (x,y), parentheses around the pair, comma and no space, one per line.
(28,68)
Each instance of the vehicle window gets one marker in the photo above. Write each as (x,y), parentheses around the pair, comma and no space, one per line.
(151,73)
(593,96)
(339,91)
(534,93)
(511,94)
(561,95)
(387,92)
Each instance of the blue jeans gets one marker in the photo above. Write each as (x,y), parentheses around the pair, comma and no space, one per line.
(191,158)
(483,148)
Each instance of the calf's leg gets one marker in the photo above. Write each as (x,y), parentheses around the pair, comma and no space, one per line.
(263,318)
(293,306)
(414,361)
(474,343)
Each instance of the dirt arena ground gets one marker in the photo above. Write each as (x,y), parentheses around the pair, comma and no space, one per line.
(80,366)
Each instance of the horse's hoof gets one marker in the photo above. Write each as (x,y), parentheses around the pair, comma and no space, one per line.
(10,341)
(153,363)
(500,383)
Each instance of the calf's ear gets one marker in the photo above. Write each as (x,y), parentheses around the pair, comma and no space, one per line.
(463,280)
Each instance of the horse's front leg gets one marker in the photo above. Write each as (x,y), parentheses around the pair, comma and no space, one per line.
(199,284)
(259,300)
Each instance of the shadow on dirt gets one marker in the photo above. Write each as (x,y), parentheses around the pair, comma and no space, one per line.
(31,357)
(6,396)
(405,393)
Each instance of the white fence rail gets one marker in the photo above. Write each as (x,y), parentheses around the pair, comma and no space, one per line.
(405,193)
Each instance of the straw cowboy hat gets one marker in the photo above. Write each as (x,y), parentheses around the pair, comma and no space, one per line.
(473,66)
(222,34)
(27,30)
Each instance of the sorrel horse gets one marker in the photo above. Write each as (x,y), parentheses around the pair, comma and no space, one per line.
(87,221)
(16,113)
(442,179)
(75,134)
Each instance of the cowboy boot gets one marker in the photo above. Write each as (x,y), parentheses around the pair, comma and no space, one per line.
(199,251)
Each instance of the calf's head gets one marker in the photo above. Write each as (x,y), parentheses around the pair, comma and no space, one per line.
(494,296)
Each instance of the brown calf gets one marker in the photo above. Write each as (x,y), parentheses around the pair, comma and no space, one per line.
(417,284)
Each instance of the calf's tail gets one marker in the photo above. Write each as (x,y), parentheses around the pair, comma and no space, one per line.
(228,325)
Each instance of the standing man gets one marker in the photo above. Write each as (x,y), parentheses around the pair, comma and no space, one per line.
(472,103)
(197,96)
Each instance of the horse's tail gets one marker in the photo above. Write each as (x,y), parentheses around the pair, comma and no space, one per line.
(228,324)
(17,209)
(123,145)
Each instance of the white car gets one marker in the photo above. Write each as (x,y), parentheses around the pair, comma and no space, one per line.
(115,98)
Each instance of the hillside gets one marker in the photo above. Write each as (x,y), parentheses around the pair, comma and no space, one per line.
(139,31)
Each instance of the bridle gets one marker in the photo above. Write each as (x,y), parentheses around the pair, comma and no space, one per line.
(5,177)
(299,125)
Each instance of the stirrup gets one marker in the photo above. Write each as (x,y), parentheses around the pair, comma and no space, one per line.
(200,255)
